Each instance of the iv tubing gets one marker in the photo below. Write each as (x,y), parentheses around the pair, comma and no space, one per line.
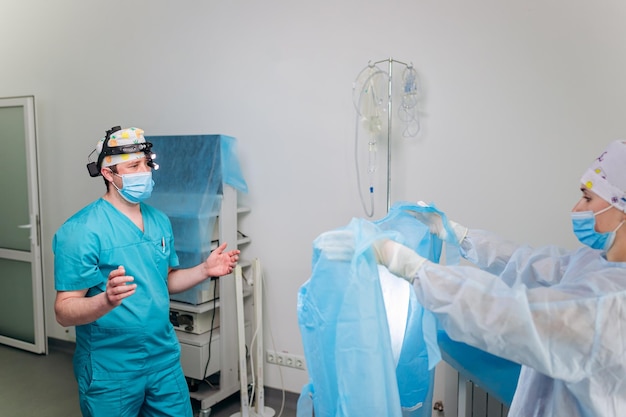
(367,85)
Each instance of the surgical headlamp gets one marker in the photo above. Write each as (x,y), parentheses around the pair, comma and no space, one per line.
(94,166)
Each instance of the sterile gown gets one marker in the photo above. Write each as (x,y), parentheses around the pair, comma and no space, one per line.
(130,357)
(560,314)
(355,367)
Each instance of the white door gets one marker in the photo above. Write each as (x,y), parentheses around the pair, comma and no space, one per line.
(21,283)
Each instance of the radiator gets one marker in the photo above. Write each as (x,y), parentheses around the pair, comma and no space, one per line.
(477,402)
(456,395)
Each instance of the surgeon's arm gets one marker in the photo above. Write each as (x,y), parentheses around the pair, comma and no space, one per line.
(512,262)
(548,329)
(487,250)
(72,308)
(218,263)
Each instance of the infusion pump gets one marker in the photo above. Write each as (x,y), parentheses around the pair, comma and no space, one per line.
(191,322)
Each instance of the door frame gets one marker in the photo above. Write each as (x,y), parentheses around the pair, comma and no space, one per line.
(35,255)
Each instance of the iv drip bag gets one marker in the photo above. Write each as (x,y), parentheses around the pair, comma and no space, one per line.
(371,97)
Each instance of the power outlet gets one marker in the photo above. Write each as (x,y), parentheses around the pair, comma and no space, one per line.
(285,359)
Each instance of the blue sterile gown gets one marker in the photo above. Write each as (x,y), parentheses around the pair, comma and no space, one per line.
(345,332)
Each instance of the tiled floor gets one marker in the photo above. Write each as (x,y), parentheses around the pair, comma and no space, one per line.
(44,386)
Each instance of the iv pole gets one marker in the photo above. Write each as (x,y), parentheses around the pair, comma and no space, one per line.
(389,116)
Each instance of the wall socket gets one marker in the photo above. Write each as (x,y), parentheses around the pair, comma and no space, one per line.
(285,359)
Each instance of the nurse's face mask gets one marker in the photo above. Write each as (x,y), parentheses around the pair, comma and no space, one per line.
(135,187)
(584,224)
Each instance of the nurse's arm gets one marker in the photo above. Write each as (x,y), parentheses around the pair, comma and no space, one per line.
(72,308)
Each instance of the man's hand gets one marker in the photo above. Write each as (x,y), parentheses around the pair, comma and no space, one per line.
(221,263)
(119,286)
(74,308)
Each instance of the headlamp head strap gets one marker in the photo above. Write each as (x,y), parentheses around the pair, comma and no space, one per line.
(145,147)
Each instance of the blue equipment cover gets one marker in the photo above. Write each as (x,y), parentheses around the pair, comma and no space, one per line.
(188,188)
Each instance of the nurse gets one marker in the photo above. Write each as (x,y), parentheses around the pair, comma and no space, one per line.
(114,268)
(560,314)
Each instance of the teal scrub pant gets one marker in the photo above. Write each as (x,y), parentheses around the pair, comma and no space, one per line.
(158,394)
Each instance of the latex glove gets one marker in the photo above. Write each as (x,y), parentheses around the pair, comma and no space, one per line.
(435,224)
(399,259)
(337,245)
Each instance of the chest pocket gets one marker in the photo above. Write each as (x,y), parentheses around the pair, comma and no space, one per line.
(161,253)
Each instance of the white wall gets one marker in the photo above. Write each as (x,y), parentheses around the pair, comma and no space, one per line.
(518,98)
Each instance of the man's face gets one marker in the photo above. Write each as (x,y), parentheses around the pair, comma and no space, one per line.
(130,167)
(133,167)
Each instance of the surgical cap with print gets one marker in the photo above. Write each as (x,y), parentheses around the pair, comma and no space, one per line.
(129,136)
(607,175)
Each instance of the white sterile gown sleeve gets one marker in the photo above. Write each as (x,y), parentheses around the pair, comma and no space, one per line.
(562,315)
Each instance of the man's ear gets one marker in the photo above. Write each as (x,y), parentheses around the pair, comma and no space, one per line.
(107,174)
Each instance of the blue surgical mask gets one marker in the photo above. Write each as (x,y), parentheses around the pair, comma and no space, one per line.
(584,223)
(136,187)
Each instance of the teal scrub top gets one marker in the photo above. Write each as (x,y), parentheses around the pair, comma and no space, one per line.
(136,337)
